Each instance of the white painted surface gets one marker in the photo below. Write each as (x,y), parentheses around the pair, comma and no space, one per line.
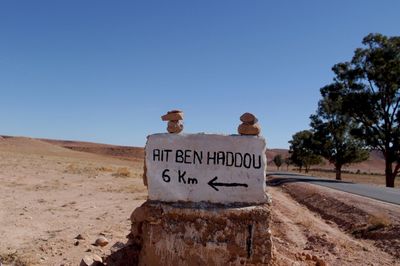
(225,179)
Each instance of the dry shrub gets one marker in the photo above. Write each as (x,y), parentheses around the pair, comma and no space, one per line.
(122,172)
(136,189)
(374,222)
(81,170)
(378,221)
(127,189)
(305,222)
(16,259)
(104,169)
(72,168)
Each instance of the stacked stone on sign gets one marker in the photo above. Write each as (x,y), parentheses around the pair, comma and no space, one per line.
(174,119)
(249,125)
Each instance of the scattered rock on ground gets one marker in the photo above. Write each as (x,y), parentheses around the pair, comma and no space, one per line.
(91,260)
(97,258)
(86,261)
(101,241)
(80,237)
(117,246)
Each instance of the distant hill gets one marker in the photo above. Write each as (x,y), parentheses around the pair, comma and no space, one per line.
(35,147)
(31,146)
(271,153)
(375,163)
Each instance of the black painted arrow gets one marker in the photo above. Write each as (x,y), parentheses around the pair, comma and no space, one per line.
(214,184)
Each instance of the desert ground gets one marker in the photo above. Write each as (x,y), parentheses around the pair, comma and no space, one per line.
(50,194)
(54,191)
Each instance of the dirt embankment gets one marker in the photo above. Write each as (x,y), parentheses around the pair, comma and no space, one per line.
(303,237)
(359,217)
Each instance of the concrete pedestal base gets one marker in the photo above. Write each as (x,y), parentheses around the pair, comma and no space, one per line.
(201,234)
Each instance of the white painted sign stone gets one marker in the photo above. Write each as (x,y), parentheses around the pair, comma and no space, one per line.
(206,167)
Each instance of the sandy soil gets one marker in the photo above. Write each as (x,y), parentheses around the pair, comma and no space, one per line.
(51,194)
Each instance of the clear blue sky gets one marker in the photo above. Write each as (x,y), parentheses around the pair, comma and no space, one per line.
(105,71)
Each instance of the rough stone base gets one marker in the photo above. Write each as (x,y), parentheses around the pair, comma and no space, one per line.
(201,234)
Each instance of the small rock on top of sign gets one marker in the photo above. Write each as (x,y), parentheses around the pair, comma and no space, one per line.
(173,115)
(246,129)
(174,127)
(174,111)
(248,118)
(249,125)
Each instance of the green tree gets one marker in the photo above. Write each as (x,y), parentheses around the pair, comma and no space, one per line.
(278,161)
(288,162)
(369,85)
(302,152)
(332,132)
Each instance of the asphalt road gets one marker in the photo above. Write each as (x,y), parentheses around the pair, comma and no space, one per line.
(391,195)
